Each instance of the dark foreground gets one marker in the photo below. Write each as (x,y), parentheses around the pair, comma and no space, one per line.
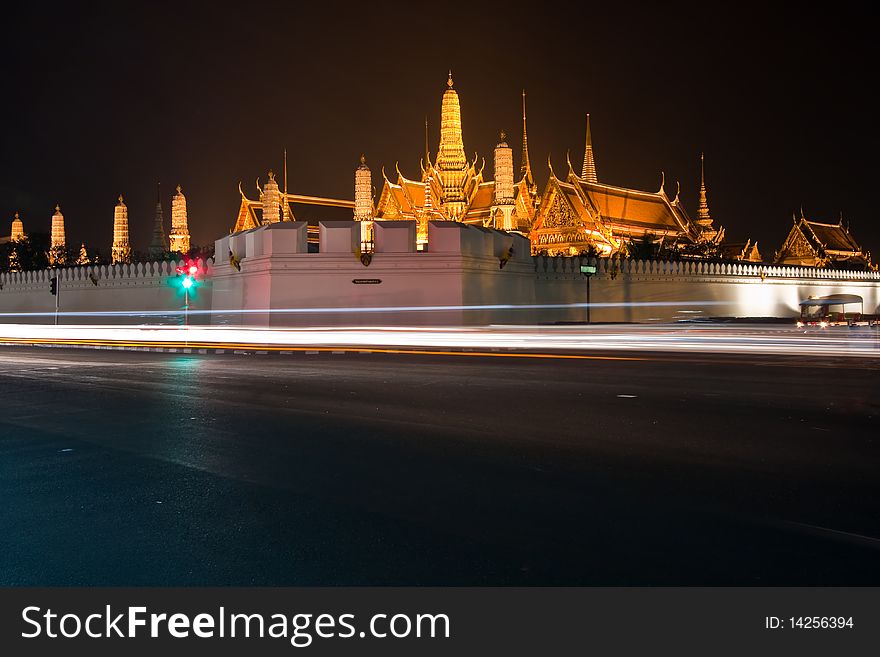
(136,468)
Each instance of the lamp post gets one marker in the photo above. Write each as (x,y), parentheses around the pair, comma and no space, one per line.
(588,271)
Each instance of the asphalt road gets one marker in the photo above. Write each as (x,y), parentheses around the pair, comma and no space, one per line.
(143,468)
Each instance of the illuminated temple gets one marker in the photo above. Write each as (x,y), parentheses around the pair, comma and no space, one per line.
(452,187)
(576,214)
(817,244)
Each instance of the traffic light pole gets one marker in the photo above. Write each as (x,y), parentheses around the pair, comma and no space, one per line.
(57,295)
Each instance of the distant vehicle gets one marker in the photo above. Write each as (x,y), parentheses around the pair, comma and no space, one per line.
(832,310)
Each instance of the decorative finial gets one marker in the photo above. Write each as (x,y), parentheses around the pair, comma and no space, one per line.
(503,135)
(449,81)
(16,215)
(120,199)
(57,208)
(363,159)
(271,175)
(178,189)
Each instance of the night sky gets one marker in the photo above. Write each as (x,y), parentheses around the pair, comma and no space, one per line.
(104,99)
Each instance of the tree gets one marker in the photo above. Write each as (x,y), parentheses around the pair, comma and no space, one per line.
(27,254)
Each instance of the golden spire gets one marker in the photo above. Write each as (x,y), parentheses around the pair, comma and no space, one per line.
(703,216)
(526,169)
(588,172)
(427,151)
(451,162)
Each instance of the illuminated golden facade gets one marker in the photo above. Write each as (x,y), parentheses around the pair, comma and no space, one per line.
(121,249)
(817,244)
(578,214)
(179,235)
(452,188)
(17,232)
(56,238)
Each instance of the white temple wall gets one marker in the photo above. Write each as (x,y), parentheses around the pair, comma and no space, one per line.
(128,291)
(657,291)
(461,272)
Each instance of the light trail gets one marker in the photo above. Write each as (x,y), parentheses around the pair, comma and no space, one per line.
(550,341)
(357,310)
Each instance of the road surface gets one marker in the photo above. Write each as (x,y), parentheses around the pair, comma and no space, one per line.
(138,468)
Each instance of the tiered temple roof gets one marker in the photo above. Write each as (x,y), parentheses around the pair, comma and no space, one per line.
(817,244)
(458,191)
(576,215)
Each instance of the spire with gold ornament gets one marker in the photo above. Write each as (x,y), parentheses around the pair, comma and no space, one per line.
(121,249)
(363,201)
(363,185)
(271,200)
(17,232)
(502,208)
(588,172)
(703,217)
(56,238)
(179,236)
(83,258)
(452,163)
(526,168)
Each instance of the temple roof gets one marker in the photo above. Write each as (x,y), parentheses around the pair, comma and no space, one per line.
(629,207)
(834,237)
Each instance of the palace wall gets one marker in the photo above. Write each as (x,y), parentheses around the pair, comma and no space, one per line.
(459,280)
(399,285)
(662,291)
(131,294)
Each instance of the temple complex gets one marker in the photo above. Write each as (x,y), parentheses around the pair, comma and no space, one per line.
(452,188)
(576,214)
(121,249)
(179,236)
(816,244)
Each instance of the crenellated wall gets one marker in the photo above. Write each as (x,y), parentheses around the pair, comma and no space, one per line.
(127,289)
(468,276)
(656,290)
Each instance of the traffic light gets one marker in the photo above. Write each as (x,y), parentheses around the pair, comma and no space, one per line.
(53,285)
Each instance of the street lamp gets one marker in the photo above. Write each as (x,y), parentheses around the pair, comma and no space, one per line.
(588,271)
